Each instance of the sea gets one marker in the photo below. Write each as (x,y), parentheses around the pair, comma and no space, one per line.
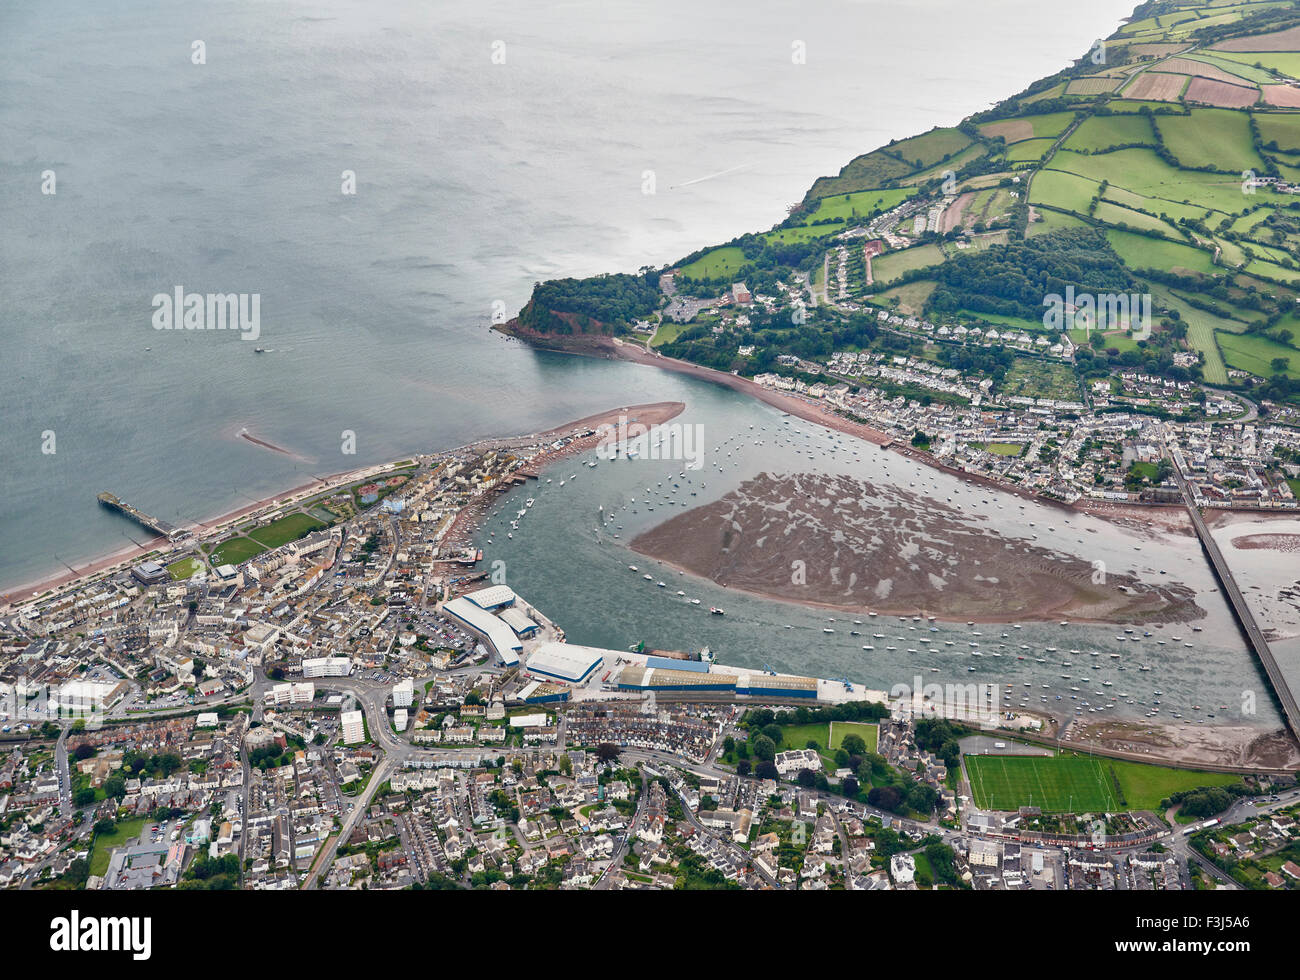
(385,178)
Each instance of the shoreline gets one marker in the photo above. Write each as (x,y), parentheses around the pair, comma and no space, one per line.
(125,556)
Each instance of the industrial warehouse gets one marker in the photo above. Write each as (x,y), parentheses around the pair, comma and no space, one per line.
(518,635)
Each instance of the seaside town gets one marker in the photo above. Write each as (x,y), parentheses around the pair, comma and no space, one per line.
(262,704)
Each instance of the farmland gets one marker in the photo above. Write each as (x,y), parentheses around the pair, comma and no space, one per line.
(1253,353)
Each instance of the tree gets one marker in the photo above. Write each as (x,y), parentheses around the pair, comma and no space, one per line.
(854,745)
(764,749)
(566,765)
(83,797)
(83,751)
(850,787)
(807,778)
(743,767)
(607,752)
(1279,364)
(766,770)
(884,798)
(922,798)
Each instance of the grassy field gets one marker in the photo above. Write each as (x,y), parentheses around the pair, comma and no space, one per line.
(1140,252)
(1121,340)
(1282,62)
(888,267)
(184,569)
(1053,221)
(668,332)
(718,263)
(288,528)
(1253,353)
(104,843)
(1145,786)
(1076,784)
(1066,191)
(869,732)
(1029,151)
(931,148)
(1218,138)
(1003,448)
(863,204)
(798,736)
(1114,214)
(236,550)
(1099,132)
(911,296)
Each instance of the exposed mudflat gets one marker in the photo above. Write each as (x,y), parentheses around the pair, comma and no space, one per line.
(838,541)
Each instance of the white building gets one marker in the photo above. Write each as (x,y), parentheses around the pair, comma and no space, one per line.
(403,693)
(326,667)
(354,727)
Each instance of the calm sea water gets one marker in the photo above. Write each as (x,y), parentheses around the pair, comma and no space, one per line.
(474,180)
(570,560)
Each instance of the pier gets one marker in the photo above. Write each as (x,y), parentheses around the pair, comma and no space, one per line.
(1245,619)
(112,502)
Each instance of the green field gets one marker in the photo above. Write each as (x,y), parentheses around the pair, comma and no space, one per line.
(1282,128)
(911,296)
(184,569)
(1114,214)
(1145,786)
(1140,252)
(1254,353)
(1029,151)
(717,263)
(1055,784)
(1002,448)
(1053,221)
(104,843)
(863,204)
(235,550)
(930,148)
(1078,783)
(1281,62)
(1099,132)
(288,528)
(888,267)
(1069,192)
(798,736)
(1121,340)
(1218,138)
(869,732)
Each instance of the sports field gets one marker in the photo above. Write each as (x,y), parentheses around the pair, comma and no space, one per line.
(1072,784)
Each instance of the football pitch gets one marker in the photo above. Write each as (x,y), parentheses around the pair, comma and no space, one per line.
(1073,784)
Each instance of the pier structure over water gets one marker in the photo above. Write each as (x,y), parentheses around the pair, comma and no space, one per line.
(112,502)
